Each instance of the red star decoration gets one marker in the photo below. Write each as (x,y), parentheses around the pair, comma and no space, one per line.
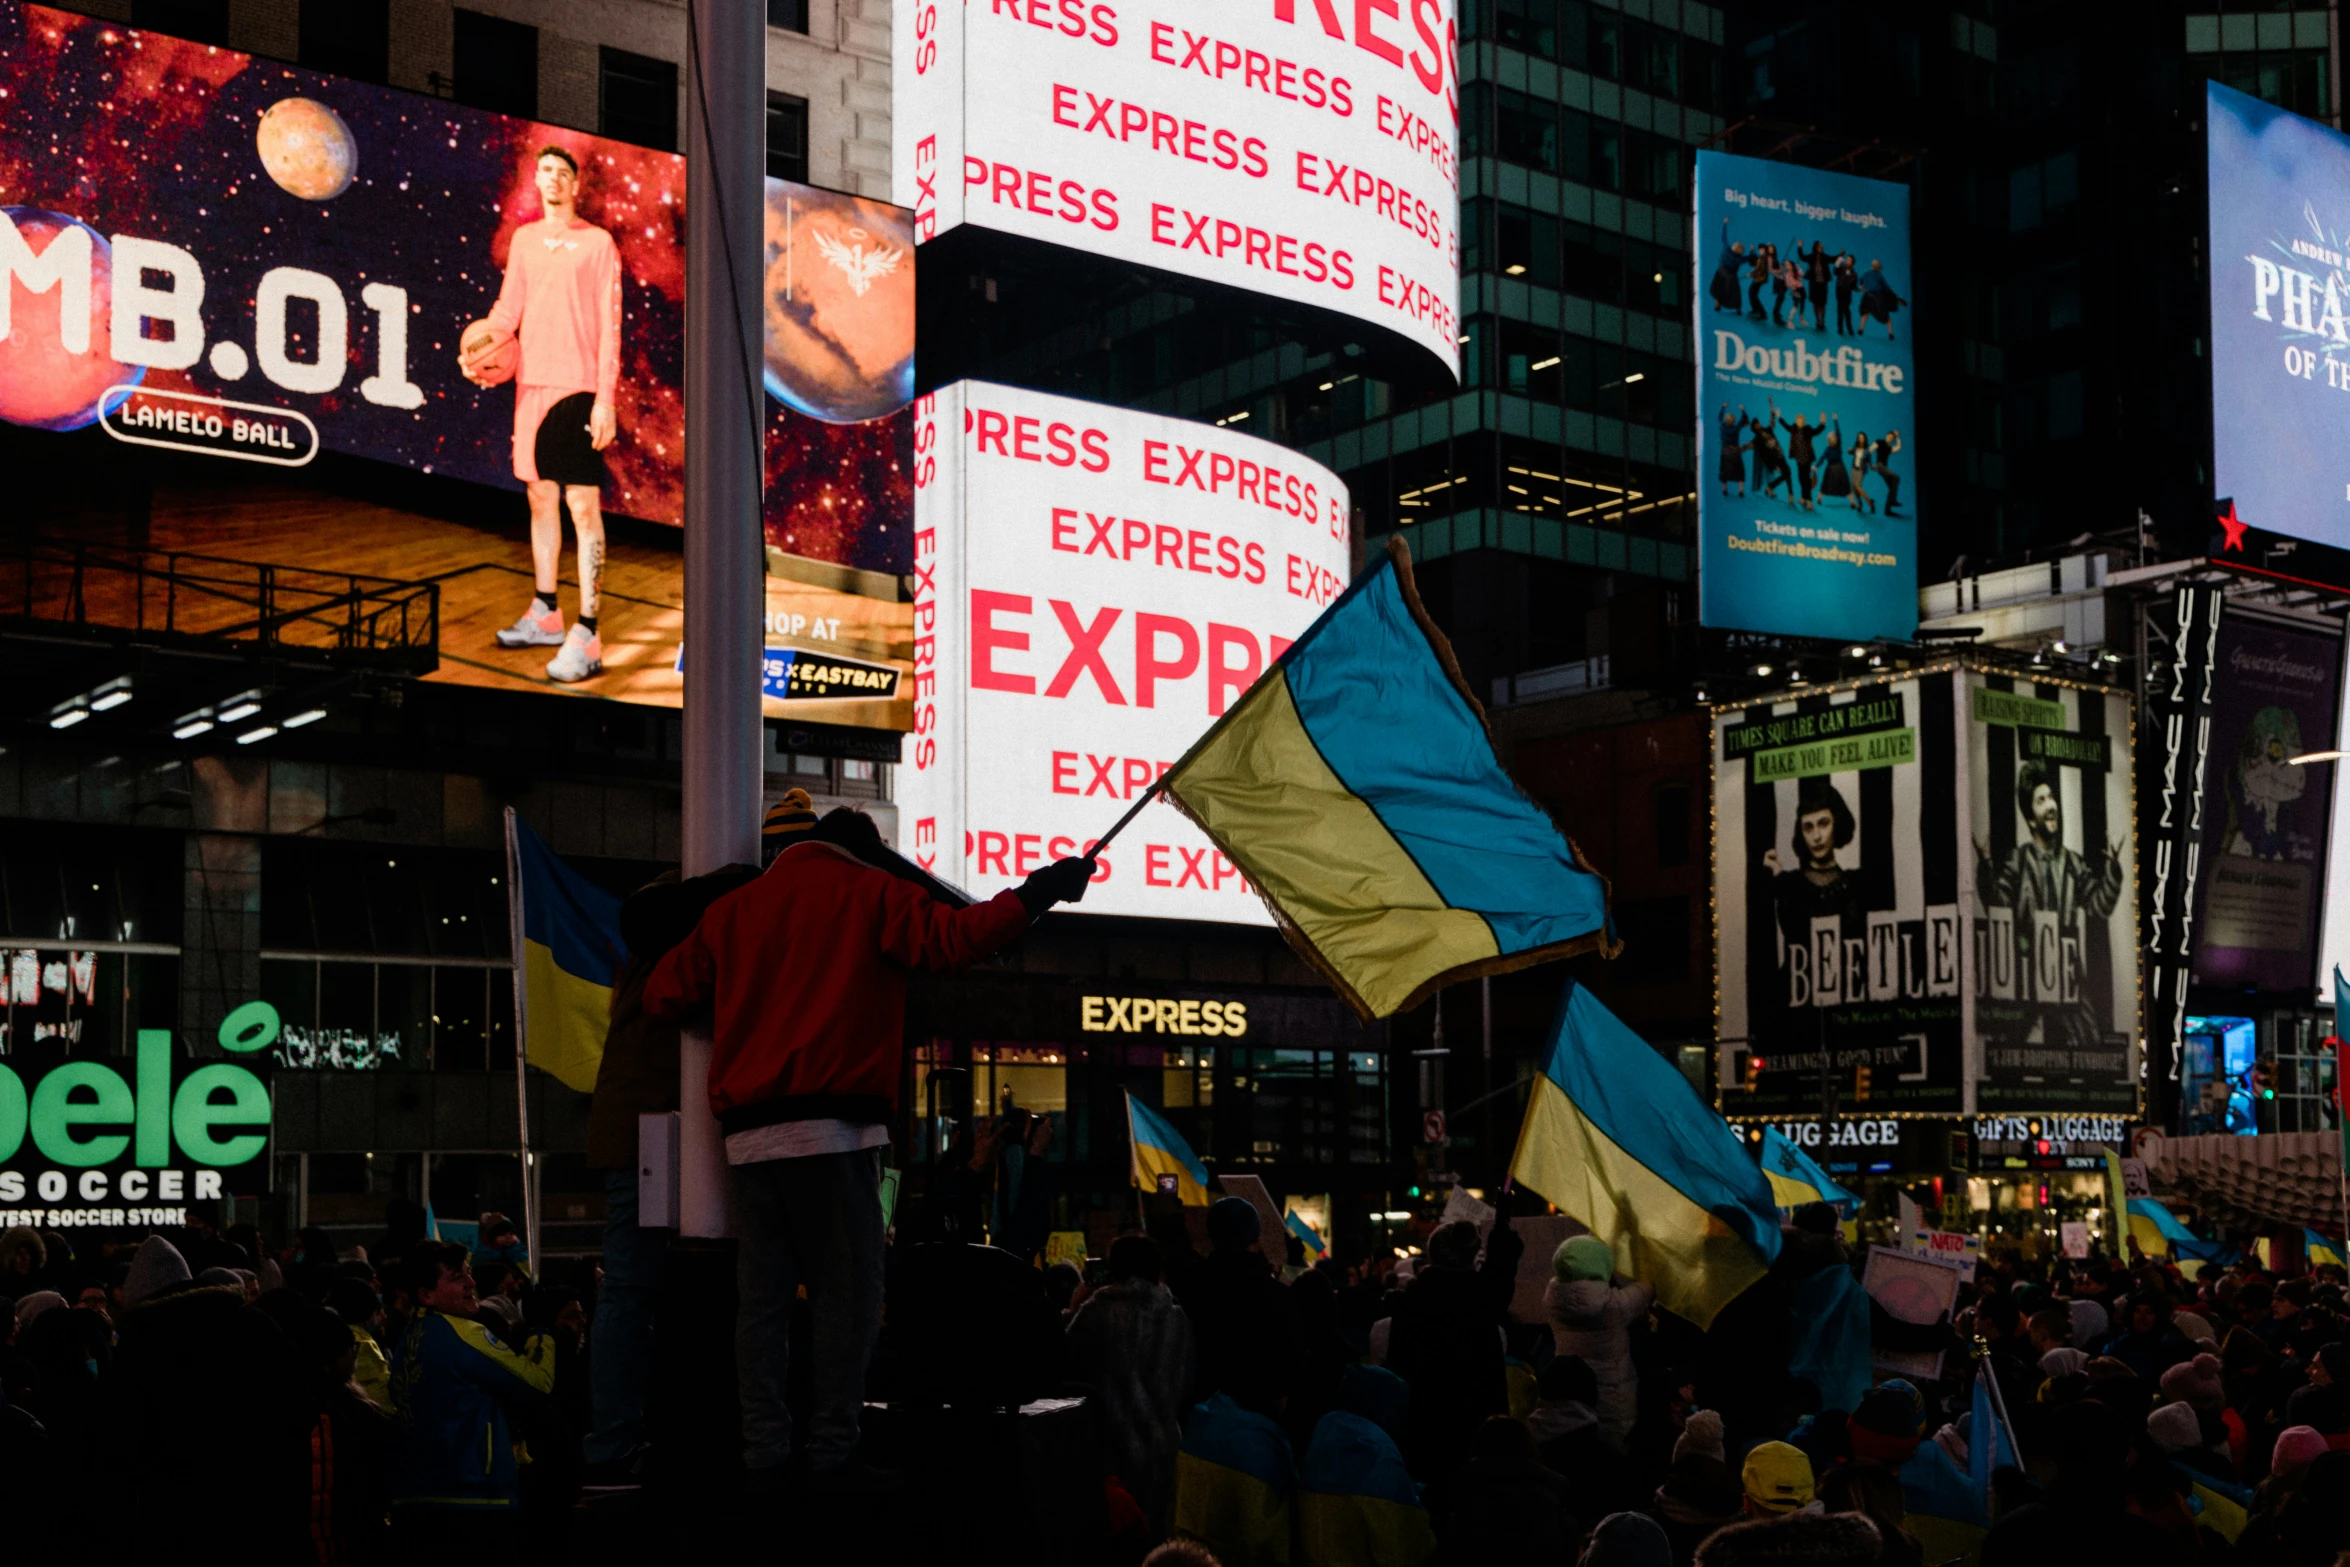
(2233,528)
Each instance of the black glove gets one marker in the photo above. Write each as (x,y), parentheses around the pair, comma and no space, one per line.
(1063,881)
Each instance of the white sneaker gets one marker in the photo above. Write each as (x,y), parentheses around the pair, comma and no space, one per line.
(581,658)
(537,628)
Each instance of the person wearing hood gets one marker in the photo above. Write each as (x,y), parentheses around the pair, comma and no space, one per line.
(1627,1540)
(2147,1343)
(1447,1342)
(1131,1344)
(24,1262)
(2091,1325)
(1700,1495)
(1356,1503)
(1568,1438)
(1240,1319)
(1591,1317)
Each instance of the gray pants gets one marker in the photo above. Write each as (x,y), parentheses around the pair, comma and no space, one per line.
(814,1221)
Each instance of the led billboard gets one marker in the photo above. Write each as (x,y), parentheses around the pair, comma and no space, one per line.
(1305,149)
(1806,398)
(2280,317)
(277,263)
(1092,588)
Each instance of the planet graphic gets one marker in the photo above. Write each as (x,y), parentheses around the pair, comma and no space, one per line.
(839,304)
(41,384)
(307,149)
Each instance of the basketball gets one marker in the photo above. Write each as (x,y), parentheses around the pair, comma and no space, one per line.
(488,354)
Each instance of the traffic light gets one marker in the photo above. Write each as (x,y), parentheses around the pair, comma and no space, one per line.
(1754,1071)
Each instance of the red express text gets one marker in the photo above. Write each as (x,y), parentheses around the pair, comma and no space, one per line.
(1216,146)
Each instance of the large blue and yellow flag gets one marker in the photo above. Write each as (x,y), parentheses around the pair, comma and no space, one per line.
(2155,1228)
(1160,1151)
(1616,1137)
(1356,787)
(2321,1252)
(1233,1476)
(1796,1177)
(567,946)
(1357,1505)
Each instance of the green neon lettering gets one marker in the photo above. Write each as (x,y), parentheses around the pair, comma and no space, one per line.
(12,1113)
(152,1129)
(253,1026)
(55,1114)
(194,1115)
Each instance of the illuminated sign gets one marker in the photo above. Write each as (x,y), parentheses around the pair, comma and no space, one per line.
(84,1145)
(1306,151)
(1092,589)
(1881,1133)
(1162,1015)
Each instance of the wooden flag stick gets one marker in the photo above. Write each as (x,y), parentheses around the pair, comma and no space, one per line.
(1158,785)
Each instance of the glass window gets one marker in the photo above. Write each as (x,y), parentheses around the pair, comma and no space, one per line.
(460,1014)
(637,100)
(348,38)
(497,64)
(1027,1077)
(790,15)
(1530,25)
(1526,131)
(1188,1077)
(205,21)
(787,136)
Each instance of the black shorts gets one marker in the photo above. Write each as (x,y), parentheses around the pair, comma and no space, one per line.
(562,449)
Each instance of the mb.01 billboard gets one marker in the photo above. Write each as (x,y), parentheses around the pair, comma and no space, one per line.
(209,252)
(1806,394)
(1305,149)
(1092,589)
(1924,899)
(1839,925)
(2280,316)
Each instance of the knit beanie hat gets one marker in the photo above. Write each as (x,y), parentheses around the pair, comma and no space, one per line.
(2197,1329)
(2297,1448)
(1233,1224)
(2196,1382)
(34,1304)
(787,820)
(2175,1428)
(1628,1540)
(1777,1477)
(2063,1363)
(157,1268)
(1583,1257)
(2090,1323)
(1701,1435)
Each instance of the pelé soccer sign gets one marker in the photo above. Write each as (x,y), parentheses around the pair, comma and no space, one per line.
(90,1141)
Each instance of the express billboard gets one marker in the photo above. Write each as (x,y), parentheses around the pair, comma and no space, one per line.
(280,263)
(2049,783)
(2275,697)
(1806,430)
(2280,316)
(1839,939)
(1306,151)
(1094,587)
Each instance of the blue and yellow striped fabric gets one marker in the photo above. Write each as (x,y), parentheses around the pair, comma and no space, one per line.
(1616,1137)
(2322,1253)
(1308,1237)
(1159,1150)
(1357,788)
(1796,1177)
(570,951)
(1233,1478)
(2216,1505)
(1356,1503)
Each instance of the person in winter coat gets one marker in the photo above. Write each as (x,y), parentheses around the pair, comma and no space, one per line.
(2148,1344)
(1446,1341)
(1356,1503)
(1700,1494)
(805,972)
(1591,1317)
(453,1387)
(1504,1506)
(1627,1540)
(1240,1317)
(1131,1344)
(1567,1437)
(1813,1539)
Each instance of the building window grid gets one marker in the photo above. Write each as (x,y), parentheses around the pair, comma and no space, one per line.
(355,1014)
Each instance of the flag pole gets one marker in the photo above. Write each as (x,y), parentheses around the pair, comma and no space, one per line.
(530,1206)
(1158,787)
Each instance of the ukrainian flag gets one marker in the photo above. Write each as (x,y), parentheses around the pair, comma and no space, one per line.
(2216,1504)
(1316,1247)
(1160,1150)
(2155,1227)
(1357,1505)
(1356,787)
(2321,1252)
(1796,1178)
(567,946)
(1617,1138)
(1233,1476)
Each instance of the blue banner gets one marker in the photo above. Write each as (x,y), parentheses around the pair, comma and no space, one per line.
(2280,318)
(1806,427)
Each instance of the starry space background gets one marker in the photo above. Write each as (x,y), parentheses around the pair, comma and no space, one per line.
(134,132)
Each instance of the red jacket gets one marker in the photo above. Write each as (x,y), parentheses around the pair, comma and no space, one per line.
(805,970)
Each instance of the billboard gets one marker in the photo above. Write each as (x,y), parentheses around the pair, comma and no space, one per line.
(1807,427)
(1092,588)
(2181,638)
(1309,152)
(1839,934)
(2050,818)
(2280,316)
(2276,695)
(281,263)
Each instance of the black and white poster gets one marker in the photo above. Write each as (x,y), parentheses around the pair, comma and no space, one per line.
(2052,895)
(1839,932)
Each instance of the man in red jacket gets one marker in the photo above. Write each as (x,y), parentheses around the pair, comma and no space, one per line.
(805,973)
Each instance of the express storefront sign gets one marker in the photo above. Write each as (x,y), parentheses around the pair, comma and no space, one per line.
(96,1142)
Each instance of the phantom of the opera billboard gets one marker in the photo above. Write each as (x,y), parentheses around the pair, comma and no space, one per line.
(203,251)
(1923,899)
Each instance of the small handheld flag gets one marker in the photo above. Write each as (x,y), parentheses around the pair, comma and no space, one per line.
(1316,1248)
(2322,1253)
(1796,1177)
(1356,787)
(1617,1138)
(1161,1155)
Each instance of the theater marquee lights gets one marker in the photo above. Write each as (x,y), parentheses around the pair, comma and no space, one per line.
(1306,149)
(1092,589)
